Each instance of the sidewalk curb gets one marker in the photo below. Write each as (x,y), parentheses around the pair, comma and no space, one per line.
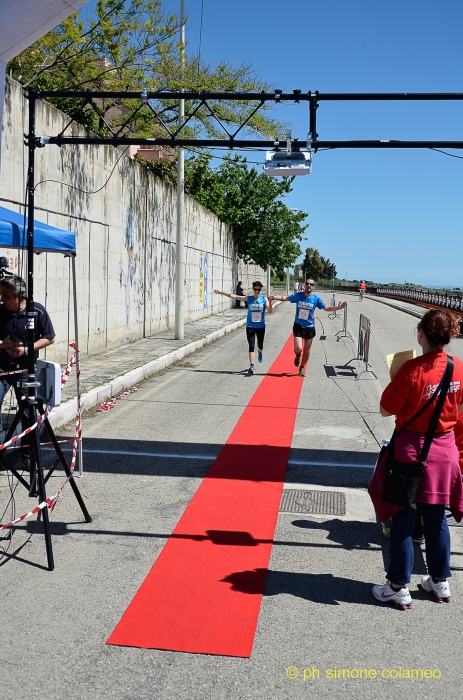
(399,308)
(67,411)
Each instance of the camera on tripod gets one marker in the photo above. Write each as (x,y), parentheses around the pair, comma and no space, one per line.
(4,271)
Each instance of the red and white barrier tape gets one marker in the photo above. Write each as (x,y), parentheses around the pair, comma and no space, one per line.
(75,444)
(40,420)
(79,395)
(42,444)
(49,502)
(15,371)
(109,404)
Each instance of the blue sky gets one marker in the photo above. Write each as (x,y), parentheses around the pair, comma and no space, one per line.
(386,216)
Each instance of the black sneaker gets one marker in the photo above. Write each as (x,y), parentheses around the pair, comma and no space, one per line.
(297,360)
(301,371)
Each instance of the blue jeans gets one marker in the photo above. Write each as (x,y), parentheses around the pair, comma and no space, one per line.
(5,384)
(437,542)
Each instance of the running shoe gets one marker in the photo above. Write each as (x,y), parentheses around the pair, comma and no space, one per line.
(260,355)
(297,359)
(418,540)
(440,590)
(301,371)
(251,370)
(400,599)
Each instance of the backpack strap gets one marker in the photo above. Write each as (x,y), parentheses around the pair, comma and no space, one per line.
(446,377)
(438,410)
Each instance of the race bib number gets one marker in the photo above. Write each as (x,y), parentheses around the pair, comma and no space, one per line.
(304,314)
(256,317)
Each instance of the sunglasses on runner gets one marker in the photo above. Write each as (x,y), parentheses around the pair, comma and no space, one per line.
(257,288)
(310,284)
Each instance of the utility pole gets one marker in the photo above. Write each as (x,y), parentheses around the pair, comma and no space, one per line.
(269,272)
(180,238)
(287,281)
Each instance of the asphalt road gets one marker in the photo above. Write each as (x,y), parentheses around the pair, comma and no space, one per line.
(143,463)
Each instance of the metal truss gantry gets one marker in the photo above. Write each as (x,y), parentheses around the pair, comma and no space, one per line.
(205,103)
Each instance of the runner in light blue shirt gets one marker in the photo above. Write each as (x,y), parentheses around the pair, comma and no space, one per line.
(304,322)
(258,304)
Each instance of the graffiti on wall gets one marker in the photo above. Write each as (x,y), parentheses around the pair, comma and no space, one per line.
(127,278)
(203,278)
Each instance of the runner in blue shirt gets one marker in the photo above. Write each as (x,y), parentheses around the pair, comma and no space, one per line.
(304,324)
(257,304)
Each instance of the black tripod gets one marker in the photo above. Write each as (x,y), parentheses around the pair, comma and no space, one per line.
(37,477)
(28,383)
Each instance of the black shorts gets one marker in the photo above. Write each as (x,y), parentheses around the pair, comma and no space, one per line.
(305,332)
(251,334)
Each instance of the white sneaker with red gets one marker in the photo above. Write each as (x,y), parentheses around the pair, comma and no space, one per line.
(440,589)
(385,594)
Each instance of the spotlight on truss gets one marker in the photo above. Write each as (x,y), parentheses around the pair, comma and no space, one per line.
(284,164)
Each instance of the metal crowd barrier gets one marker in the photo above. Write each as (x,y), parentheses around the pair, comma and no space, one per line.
(344,333)
(363,347)
(333,314)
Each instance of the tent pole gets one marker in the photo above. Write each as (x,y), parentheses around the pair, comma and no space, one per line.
(76,341)
(30,404)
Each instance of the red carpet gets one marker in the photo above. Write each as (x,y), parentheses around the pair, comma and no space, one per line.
(204,591)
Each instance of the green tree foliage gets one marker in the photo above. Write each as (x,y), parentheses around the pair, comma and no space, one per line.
(265,230)
(329,269)
(312,264)
(130,45)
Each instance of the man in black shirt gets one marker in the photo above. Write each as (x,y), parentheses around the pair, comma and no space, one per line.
(239,293)
(13,340)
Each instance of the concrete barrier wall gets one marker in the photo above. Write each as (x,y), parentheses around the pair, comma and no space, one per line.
(125,237)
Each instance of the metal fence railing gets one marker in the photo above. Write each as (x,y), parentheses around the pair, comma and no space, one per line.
(453,302)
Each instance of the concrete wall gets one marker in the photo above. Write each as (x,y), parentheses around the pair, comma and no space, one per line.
(125,237)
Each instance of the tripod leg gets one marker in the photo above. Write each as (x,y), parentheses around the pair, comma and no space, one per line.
(62,458)
(52,469)
(9,435)
(15,422)
(36,458)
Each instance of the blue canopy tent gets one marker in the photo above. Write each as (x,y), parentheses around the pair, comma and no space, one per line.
(47,239)
(13,234)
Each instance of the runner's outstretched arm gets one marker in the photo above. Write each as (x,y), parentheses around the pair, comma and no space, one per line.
(341,305)
(232,296)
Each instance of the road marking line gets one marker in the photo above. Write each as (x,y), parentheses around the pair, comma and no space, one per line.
(172,455)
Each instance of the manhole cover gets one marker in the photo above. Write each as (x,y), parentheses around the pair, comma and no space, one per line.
(301,501)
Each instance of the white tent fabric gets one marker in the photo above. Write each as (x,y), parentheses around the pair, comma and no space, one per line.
(22,22)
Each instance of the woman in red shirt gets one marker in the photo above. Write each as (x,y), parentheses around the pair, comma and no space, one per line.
(412,386)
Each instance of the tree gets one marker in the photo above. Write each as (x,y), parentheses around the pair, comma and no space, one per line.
(265,231)
(312,264)
(329,269)
(130,45)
